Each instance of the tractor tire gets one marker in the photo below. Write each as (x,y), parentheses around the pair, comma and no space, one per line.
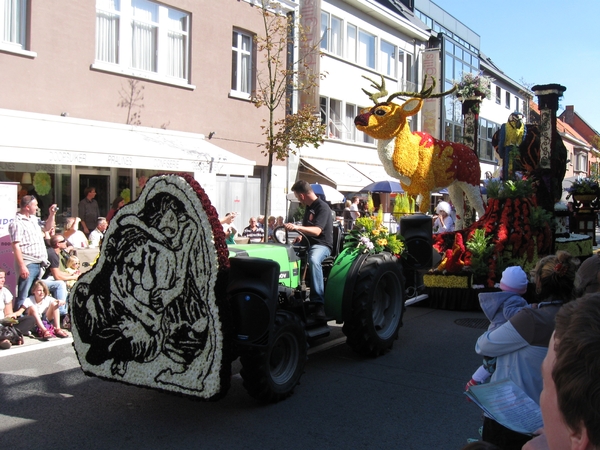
(377,306)
(271,374)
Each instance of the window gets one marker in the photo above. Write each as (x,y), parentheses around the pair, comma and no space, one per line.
(338,127)
(351,43)
(335,46)
(516,103)
(387,58)
(13,25)
(148,38)
(507,100)
(324,30)
(487,129)
(241,64)
(581,164)
(349,121)
(498,95)
(331,34)
(366,49)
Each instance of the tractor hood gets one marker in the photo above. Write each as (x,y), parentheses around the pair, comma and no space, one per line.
(284,255)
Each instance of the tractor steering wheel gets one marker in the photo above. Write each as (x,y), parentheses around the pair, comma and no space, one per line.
(281,236)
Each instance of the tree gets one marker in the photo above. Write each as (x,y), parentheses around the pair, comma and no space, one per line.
(277,80)
(132,96)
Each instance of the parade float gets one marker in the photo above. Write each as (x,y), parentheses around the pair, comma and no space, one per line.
(522,219)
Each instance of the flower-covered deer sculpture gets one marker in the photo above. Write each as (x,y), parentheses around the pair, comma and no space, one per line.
(422,163)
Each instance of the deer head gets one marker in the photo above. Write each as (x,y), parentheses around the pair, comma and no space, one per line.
(387,119)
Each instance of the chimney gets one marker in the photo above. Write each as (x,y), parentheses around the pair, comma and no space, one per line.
(569,115)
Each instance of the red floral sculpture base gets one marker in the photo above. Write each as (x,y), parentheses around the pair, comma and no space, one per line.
(508,221)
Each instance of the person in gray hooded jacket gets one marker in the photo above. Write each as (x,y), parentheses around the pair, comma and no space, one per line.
(499,307)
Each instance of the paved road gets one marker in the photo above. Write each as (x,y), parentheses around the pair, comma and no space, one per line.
(410,398)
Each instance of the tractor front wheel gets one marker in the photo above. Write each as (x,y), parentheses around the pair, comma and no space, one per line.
(271,374)
(377,306)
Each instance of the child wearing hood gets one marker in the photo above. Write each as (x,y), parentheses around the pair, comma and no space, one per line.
(499,307)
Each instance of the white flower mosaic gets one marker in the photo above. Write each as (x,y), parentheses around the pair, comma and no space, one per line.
(148,314)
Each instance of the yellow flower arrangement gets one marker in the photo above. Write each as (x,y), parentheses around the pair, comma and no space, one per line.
(369,236)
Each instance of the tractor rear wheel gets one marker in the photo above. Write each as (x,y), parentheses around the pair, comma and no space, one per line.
(377,306)
(271,374)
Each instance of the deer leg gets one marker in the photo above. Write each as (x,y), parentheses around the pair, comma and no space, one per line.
(456,197)
(474,195)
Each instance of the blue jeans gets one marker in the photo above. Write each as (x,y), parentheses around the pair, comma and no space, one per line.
(24,284)
(58,289)
(316,255)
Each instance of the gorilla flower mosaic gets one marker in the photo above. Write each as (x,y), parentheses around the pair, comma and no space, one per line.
(150,313)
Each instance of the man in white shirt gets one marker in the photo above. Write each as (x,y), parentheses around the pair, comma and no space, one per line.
(28,245)
(96,236)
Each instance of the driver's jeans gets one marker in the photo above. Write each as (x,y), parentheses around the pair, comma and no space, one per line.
(316,255)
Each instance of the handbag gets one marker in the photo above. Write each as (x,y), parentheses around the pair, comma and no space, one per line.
(12,334)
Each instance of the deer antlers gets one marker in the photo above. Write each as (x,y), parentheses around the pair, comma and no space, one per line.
(424,93)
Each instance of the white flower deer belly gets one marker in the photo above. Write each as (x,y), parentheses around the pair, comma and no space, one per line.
(422,163)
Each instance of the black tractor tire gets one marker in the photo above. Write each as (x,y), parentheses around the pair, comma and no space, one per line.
(377,306)
(271,374)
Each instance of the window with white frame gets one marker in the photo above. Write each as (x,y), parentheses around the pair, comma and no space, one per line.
(507,105)
(241,60)
(487,128)
(142,35)
(366,49)
(349,121)
(351,43)
(331,33)
(498,95)
(324,30)
(581,162)
(387,58)
(13,23)
(338,127)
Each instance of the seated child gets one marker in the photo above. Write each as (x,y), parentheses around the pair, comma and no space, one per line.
(43,307)
(499,307)
(72,268)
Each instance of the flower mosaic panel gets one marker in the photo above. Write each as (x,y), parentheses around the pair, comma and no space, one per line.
(149,313)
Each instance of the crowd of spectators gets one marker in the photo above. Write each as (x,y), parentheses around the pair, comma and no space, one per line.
(46,266)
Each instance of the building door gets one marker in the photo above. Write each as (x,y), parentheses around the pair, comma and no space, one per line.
(97,178)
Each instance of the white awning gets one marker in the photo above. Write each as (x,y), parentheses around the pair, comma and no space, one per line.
(345,177)
(44,139)
(374,172)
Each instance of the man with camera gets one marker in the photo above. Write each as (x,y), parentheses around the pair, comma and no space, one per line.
(29,248)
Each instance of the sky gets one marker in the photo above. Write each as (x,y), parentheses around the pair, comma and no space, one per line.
(541,42)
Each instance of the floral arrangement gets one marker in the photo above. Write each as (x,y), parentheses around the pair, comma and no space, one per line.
(471,86)
(370,236)
(42,182)
(513,231)
(403,204)
(152,311)
(583,186)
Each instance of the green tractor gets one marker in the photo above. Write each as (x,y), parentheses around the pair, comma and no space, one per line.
(273,318)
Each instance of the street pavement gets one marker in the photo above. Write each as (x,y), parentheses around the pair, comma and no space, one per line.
(410,398)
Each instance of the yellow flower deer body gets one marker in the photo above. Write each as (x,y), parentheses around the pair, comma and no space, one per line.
(420,162)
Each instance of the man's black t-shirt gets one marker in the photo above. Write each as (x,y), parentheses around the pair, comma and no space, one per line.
(54,262)
(318,214)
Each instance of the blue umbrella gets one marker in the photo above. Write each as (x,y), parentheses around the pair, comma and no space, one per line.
(386,186)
